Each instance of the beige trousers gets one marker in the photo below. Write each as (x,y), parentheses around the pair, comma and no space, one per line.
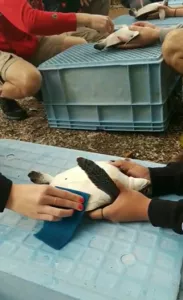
(50,46)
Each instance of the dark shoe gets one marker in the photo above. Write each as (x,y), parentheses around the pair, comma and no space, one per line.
(12,109)
(39,96)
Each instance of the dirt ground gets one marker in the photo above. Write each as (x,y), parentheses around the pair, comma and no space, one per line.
(155,147)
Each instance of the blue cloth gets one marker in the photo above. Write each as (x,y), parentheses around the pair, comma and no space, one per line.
(58,234)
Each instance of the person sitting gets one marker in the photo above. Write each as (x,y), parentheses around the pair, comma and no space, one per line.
(28,37)
(100,7)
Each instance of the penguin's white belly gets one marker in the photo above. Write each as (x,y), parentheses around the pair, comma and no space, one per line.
(77,179)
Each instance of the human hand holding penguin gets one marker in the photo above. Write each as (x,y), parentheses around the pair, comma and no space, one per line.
(137,35)
(130,205)
(169,12)
(147,36)
(140,34)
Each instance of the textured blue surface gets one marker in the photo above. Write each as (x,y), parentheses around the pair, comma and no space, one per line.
(58,234)
(128,20)
(103,261)
(86,56)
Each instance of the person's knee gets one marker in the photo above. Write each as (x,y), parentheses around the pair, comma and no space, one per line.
(172,48)
(25,78)
(70,41)
(30,83)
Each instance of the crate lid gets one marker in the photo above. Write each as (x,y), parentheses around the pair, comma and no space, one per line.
(82,56)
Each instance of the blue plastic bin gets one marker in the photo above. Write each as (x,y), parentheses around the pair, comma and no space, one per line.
(111,90)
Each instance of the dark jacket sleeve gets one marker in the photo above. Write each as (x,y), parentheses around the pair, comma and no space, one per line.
(167,180)
(5,189)
(165,213)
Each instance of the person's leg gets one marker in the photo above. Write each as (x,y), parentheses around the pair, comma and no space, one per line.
(90,35)
(172,50)
(49,46)
(19,79)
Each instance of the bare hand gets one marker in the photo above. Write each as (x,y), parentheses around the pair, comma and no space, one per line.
(147,36)
(169,12)
(130,206)
(145,24)
(132,169)
(102,24)
(43,202)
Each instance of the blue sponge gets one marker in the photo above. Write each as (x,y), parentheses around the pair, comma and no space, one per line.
(58,234)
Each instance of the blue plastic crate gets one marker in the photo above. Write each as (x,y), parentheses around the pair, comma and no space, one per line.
(128,20)
(104,261)
(108,90)
(175,2)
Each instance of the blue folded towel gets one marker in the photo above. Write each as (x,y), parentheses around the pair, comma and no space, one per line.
(58,234)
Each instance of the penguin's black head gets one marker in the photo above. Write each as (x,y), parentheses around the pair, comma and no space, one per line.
(99,46)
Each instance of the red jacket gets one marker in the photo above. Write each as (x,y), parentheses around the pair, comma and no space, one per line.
(21,22)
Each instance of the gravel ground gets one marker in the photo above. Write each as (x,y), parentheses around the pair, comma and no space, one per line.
(158,147)
(155,147)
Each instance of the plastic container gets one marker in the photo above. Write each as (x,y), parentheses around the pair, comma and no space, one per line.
(111,90)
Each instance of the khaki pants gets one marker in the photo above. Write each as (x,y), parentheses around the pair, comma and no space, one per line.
(50,46)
